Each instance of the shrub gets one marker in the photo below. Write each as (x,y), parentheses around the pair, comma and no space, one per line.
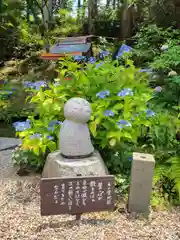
(118,97)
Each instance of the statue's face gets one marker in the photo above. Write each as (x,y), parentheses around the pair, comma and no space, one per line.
(77,110)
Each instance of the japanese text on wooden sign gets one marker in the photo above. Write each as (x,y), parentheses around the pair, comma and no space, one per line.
(76,195)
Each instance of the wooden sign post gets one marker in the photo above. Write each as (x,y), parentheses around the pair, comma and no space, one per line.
(77,195)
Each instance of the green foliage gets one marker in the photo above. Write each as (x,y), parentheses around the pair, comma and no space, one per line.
(149,40)
(167,178)
(169,59)
(26,158)
(91,83)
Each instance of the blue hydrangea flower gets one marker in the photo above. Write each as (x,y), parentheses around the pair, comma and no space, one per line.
(158,89)
(22,126)
(123,123)
(54,122)
(49,137)
(103,94)
(35,135)
(92,60)
(150,113)
(99,64)
(146,70)
(130,158)
(35,85)
(108,113)
(124,48)
(79,58)
(51,129)
(13,89)
(125,92)
(104,54)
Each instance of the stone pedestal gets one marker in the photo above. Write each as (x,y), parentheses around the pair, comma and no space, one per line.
(58,166)
(142,171)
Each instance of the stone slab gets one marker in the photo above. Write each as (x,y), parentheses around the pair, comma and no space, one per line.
(6,166)
(142,172)
(6,143)
(58,166)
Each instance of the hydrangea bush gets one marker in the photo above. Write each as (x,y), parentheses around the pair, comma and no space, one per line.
(119,98)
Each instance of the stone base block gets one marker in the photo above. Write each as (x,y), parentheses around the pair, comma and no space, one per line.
(142,172)
(58,166)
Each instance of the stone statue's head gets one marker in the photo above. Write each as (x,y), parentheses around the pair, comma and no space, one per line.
(77,110)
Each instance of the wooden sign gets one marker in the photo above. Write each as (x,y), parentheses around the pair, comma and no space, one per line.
(76,195)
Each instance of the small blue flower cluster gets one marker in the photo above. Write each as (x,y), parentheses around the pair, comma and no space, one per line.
(35,135)
(79,58)
(92,60)
(158,89)
(124,48)
(125,92)
(104,54)
(103,94)
(22,126)
(39,136)
(52,124)
(150,113)
(146,70)
(123,123)
(99,64)
(35,85)
(108,113)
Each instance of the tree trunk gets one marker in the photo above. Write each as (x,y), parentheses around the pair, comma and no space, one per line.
(79,11)
(92,14)
(114,4)
(108,3)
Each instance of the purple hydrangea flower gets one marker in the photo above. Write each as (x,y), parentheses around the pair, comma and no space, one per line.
(158,89)
(103,94)
(123,123)
(150,113)
(22,126)
(108,113)
(125,92)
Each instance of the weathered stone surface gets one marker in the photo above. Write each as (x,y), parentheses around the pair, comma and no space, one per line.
(142,171)
(57,166)
(6,143)
(6,166)
(74,134)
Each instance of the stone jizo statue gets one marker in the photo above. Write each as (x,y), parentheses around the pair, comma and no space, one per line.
(75,139)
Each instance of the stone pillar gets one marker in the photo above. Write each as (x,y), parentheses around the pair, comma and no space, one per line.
(77,156)
(142,172)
